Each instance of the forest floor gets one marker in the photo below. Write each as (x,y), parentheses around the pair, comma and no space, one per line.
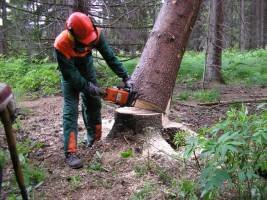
(106,174)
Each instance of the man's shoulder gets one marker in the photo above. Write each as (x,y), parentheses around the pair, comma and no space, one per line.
(63,44)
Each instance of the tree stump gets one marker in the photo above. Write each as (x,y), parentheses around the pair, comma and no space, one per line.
(155,76)
(134,120)
(143,127)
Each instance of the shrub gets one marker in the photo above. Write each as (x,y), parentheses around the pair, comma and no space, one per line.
(29,78)
(233,154)
(180,138)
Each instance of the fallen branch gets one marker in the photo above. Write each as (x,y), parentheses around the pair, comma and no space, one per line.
(187,104)
(233,101)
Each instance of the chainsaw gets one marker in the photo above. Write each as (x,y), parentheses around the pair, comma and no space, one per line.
(120,96)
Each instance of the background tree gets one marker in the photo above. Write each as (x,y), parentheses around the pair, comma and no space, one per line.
(3,30)
(212,72)
(33,25)
(265,23)
(242,26)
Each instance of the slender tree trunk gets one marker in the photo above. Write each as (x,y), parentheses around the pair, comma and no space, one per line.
(3,31)
(252,26)
(262,24)
(265,24)
(81,6)
(258,23)
(154,77)
(215,45)
(242,26)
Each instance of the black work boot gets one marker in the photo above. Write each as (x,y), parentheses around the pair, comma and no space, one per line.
(74,161)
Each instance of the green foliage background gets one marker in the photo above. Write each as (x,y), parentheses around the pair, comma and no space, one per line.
(29,78)
(41,77)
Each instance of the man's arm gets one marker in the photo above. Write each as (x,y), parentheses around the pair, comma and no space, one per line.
(110,58)
(69,72)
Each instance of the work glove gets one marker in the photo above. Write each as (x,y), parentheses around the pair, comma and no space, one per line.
(93,90)
(128,83)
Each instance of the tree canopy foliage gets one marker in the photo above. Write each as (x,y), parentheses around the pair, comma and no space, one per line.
(30,27)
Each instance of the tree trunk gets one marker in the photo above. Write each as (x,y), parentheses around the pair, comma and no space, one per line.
(242,26)
(81,6)
(3,32)
(212,73)
(262,24)
(154,77)
(265,24)
(258,23)
(252,25)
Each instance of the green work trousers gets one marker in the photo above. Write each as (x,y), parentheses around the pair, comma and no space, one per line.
(91,105)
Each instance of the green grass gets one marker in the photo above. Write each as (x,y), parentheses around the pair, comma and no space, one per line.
(33,175)
(29,79)
(2,158)
(40,77)
(203,96)
(180,138)
(75,181)
(191,68)
(141,169)
(94,166)
(183,96)
(127,154)
(248,68)
(143,193)
(206,95)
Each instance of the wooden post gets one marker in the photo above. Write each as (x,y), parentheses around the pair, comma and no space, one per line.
(11,141)
(7,111)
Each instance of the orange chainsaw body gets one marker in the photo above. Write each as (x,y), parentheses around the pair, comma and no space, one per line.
(117,96)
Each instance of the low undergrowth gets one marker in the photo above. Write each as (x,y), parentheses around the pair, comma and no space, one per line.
(29,78)
(233,155)
(40,77)
(248,68)
(165,183)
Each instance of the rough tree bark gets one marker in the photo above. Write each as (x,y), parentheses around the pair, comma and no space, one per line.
(242,26)
(252,25)
(265,24)
(154,77)
(259,17)
(212,72)
(262,45)
(81,6)
(3,32)
(258,22)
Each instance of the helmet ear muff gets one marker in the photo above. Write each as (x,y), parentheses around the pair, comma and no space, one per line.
(72,33)
(70,30)
(93,23)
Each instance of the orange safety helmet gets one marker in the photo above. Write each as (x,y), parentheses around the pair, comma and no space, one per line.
(81,27)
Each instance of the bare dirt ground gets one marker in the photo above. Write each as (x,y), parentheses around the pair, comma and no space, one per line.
(106,174)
